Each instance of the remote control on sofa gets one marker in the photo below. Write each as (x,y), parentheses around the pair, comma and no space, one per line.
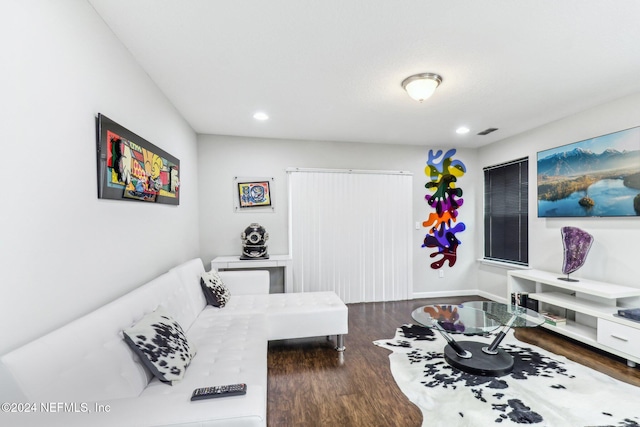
(219,391)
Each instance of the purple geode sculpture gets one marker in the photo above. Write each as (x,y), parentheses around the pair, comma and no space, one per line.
(576,244)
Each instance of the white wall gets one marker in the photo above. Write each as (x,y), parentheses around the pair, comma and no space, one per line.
(614,255)
(63,251)
(221,158)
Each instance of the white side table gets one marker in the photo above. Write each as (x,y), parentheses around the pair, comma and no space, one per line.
(234,262)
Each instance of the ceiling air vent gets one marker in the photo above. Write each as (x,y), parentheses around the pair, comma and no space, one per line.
(487,131)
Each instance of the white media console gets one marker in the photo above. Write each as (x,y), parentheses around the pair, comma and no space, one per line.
(589,306)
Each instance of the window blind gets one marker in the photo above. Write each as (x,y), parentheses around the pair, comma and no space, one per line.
(506,212)
(350,232)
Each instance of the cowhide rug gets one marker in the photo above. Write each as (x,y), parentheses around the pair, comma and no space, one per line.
(543,389)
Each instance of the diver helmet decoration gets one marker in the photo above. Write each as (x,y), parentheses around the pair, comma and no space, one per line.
(254,242)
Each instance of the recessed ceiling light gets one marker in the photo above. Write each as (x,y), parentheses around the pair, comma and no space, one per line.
(462,130)
(261,116)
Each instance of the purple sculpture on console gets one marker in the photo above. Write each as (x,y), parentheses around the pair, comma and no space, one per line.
(576,243)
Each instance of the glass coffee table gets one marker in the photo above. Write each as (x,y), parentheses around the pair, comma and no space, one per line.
(477,318)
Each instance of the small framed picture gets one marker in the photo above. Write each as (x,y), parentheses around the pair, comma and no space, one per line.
(254,194)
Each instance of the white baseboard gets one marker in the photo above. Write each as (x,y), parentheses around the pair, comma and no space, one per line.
(465,293)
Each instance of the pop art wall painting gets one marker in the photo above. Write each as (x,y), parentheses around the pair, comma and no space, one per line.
(254,194)
(444,198)
(131,168)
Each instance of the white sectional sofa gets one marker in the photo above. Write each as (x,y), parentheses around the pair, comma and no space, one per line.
(84,374)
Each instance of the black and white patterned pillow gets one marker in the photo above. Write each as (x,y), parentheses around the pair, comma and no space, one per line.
(161,344)
(216,293)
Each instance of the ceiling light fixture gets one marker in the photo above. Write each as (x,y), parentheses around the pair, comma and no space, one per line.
(261,116)
(462,130)
(421,86)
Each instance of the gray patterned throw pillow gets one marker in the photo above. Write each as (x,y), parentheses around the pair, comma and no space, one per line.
(161,344)
(216,293)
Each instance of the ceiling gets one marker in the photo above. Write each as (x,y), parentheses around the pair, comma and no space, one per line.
(331,70)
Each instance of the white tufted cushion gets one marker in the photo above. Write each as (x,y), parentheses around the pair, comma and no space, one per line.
(189,274)
(306,314)
(248,304)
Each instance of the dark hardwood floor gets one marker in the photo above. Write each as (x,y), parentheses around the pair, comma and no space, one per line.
(311,384)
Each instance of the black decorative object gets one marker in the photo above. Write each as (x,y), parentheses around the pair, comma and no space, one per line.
(576,244)
(254,242)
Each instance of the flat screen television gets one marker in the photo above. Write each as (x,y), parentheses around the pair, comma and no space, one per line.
(597,177)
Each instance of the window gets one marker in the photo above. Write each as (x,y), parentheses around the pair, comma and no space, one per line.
(506,212)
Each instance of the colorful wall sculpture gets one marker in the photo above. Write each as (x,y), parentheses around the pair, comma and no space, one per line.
(445,198)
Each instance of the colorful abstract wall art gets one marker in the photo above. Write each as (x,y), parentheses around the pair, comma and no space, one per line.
(254,194)
(131,168)
(444,198)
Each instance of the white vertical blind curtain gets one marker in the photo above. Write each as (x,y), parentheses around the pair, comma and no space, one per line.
(350,232)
